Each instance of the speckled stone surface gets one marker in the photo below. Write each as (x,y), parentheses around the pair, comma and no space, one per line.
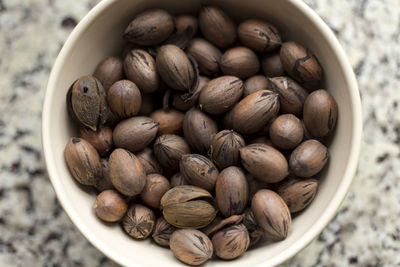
(34,229)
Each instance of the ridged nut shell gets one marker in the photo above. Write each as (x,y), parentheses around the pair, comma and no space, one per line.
(298,194)
(178,179)
(162,232)
(83,161)
(254,111)
(240,61)
(109,71)
(182,22)
(259,35)
(225,148)
(264,162)
(138,221)
(309,158)
(206,55)
(155,188)
(148,160)
(169,150)
(170,121)
(126,173)
(286,131)
(124,99)
(104,183)
(182,103)
(271,213)
(220,94)
(150,27)
(100,140)
(134,134)
(231,242)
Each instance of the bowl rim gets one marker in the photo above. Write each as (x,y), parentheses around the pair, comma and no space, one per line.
(310,234)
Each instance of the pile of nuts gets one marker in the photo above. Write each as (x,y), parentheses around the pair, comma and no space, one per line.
(204,135)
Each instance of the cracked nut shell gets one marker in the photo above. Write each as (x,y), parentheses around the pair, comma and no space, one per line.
(139,221)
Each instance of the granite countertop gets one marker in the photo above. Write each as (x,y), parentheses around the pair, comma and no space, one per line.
(36,231)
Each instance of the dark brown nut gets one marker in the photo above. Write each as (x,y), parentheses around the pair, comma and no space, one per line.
(124,99)
(138,221)
(86,102)
(291,94)
(308,158)
(255,185)
(169,150)
(320,113)
(225,148)
(140,68)
(306,135)
(175,68)
(191,246)
(199,171)
(271,213)
(254,111)
(83,161)
(150,27)
(110,206)
(286,131)
(264,162)
(198,129)
(162,232)
(256,233)
(188,206)
(218,223)
(182,22)
(170,121)
(148,105)
(100,140)
(206,55)
(259,35)
(300,63)
(254,84)
(127,174)
(148,160)
(109,71)
(178,179)
(217,27)
(135,134)
(232,242)
(220,94)
(298,194)
(240,61)
(182,103)
(104,182)
(231,191)
(261,140)
(272,65)
(155,188)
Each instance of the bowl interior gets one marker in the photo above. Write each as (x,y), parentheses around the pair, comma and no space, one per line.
(99,36)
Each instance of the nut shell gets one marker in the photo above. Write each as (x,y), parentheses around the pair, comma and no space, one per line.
(240,61)
(149,162)
(178,179)
(138,221)
(110,206)
(100,140)
(298,194)
(183,103)
(109,71)
(169,150)
(254,84)
(272,65)
(286,131)
(124,99)
(184,21)
(170,121)
(231,242)
(225,148)
(155,188)
(162,232)
(259,35)
(104,183)
(206,54)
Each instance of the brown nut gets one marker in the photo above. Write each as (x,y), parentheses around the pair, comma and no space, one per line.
(148,105)
(127,174)
(170,121)
(298,194)
(183,103)
(306,135)
(207,56)
(188,206)
(155,188)
(254,84)
(191,246)
(182,22)
(140,68)
(254,111)
(261,140)
(124,99)
(291,94)
(272,65)
(100,140)
(83,161)
(225,148)
(110,206)
(231,191)
(199,171)
(134,134)
(240,61)
(86,102)
(217,27)
(149,162)
(286,131)
(308,158)
(255,185)
(109,71)
(178,179)
(169,150)
(218,223)
(138,221)
(175,68)
(259,35)
(150,27)
(231,242)
(220,94)
(271,213)
(162,232)
(198,129)
(301,64)
(104,183)
(256,233)
(320,113)
(264,162)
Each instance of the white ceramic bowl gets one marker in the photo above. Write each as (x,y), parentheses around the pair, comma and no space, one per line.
(99,35)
